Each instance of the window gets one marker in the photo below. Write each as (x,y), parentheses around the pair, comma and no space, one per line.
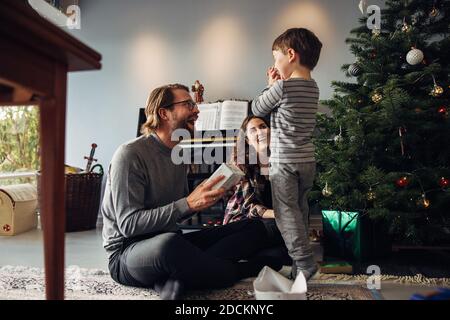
(19,148)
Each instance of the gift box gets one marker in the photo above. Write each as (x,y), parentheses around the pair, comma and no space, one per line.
(353,236)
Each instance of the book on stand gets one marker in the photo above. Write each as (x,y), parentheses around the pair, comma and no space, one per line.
(226,115)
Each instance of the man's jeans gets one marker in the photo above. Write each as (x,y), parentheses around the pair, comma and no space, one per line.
(291,183)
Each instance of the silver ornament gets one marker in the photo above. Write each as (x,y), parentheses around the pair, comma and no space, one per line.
(338,138)
(326,191)
(354,70)
(414,57)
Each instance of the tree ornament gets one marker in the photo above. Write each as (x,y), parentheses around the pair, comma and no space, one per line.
(377,97)
(326,191)
(354,70)
(414,57)
(363,5)
(371,195)
(373,54)
(443,111)
(423,202)
(406,27)
(339,138)
(402,182)
(444,182)
(434,12)
(376,32)
(437,91)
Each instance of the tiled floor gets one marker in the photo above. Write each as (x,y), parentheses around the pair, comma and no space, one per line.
(85,250)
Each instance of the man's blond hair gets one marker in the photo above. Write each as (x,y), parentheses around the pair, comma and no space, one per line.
(159,98)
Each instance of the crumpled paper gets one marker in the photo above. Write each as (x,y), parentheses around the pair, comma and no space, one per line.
(271,285)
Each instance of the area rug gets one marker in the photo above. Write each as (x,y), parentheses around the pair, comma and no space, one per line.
(27,283)
(418,279)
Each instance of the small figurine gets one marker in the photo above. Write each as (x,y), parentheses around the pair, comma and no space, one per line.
(198,89)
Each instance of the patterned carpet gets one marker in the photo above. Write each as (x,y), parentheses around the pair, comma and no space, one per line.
(84,284)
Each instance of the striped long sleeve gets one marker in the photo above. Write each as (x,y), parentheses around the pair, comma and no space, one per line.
(292,105)
(268,100)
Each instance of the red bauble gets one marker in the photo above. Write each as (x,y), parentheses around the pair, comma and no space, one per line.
(402,182)
(444,182)
(443,111)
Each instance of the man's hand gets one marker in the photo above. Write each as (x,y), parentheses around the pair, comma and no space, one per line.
(272,75)
(203,197)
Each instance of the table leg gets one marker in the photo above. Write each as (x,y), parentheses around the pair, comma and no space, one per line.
(52,129)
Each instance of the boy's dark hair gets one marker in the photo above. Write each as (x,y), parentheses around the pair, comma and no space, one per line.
(304,42)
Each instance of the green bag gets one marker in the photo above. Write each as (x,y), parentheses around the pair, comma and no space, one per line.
(352,236)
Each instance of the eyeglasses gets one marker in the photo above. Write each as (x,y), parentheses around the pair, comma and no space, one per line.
(189,103)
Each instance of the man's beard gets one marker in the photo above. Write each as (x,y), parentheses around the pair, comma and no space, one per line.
(186,124)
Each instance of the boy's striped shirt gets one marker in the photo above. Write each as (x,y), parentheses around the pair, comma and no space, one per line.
(293,106)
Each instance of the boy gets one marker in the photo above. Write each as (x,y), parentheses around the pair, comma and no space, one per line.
(292,99)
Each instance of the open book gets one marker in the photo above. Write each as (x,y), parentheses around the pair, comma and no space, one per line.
(227,115)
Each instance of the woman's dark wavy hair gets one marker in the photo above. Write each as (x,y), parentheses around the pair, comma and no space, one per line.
(240,153)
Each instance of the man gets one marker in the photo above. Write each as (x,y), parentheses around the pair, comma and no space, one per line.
(146,195)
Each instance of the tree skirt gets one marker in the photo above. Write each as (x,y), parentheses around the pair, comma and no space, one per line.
(27,283)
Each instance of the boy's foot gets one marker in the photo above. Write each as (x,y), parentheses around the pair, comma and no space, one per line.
(307,273)
(170,289)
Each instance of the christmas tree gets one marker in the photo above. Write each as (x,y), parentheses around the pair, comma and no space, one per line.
(385,151)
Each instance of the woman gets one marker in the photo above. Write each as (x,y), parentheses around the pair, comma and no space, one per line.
(252,198)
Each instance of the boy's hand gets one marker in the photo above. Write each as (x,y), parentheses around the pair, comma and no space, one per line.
(272,75)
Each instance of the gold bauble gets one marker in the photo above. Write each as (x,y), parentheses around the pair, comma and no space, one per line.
(434,12)
(371,195)
(376,32)
(437,91)
(423,202)
(377,97)
(406,27)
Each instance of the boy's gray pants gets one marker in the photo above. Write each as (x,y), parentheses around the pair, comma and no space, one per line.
(291,183)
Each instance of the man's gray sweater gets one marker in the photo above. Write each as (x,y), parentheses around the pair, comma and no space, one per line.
(145,192)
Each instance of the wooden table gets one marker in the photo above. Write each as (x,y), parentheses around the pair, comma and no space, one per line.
(35,57)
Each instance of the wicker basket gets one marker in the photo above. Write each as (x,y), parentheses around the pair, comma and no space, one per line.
(82,193)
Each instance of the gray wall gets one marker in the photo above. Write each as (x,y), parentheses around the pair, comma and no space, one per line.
(224,44)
